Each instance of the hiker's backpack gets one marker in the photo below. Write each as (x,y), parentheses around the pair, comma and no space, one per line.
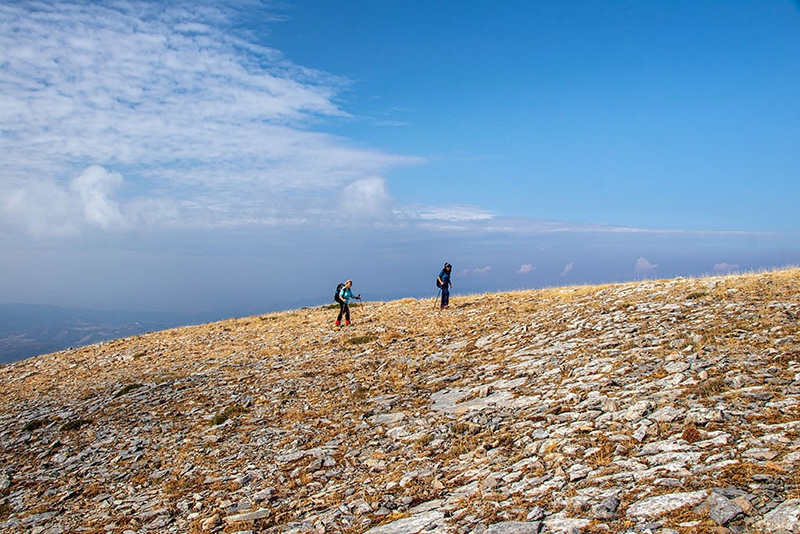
(438,283)
(336,297)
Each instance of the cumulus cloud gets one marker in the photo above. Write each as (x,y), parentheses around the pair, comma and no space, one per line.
(47,208)
(525,268)
(368,197)
(725,267)
(94,187)
(568,269)
(207,126)
(644,267)
(41,209)
(482,270)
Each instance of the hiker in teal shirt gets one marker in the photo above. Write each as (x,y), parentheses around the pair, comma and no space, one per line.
(345,294)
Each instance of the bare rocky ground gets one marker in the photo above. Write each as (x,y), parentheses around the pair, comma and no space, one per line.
(659,406)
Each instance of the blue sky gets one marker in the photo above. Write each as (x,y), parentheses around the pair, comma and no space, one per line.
(238,158)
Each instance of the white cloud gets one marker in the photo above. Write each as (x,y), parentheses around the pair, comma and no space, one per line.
(444,213)
(568,269)
(368,197)
(644,267)
(725,267)
(94,187)
(206,127)
(41,209)
(47,208)
(482,270)
(525,268)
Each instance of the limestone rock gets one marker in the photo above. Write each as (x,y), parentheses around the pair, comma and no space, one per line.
(618,408)
(786,517)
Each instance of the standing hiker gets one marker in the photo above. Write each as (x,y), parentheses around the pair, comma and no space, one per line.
(443,281)
(343,296)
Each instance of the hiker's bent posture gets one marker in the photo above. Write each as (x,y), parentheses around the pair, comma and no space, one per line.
(343,296)
(443,281)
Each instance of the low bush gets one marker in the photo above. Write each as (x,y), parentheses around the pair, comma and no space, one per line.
(358,340)
(75,424)
(226,414)
(34,425)
(127,389)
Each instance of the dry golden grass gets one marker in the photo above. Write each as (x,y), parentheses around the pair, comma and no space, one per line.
(389,351)
(691,434)
(709,388)
(605,455)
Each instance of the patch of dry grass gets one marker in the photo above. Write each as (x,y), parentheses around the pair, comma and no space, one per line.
(709,388)
(605,455)
(691,434)
(325,374)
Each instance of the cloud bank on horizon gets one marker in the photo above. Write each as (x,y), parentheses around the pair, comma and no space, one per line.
(135,132)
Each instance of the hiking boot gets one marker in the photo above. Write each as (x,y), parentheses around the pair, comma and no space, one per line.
(338,323)
(347,323)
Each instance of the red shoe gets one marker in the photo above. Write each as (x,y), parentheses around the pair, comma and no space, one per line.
(347,323)
(338,323)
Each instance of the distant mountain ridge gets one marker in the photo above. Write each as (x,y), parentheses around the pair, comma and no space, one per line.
(28,330)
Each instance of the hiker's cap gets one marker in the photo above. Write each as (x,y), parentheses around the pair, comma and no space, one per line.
(447,265)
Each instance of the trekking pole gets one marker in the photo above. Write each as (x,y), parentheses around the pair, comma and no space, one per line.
(437,298)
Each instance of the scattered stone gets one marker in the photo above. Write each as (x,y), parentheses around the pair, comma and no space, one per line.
(721,509)
(657,506)
(211,522)
(410,525)
(514,527)
(559,524)
(607,509)
(249,516)
(562,410)
(786,517)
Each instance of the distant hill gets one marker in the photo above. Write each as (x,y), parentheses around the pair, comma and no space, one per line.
(29,330)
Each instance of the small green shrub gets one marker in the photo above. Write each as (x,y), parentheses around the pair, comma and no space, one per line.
(75,424)
(127,389)
(35,424)
(358,340)
(696,295)
(226,414)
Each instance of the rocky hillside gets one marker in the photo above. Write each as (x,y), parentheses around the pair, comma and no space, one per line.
(659,406)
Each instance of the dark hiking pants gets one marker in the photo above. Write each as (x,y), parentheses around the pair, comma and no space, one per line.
(344,309)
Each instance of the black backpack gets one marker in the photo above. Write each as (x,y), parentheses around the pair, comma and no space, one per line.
(336,297)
